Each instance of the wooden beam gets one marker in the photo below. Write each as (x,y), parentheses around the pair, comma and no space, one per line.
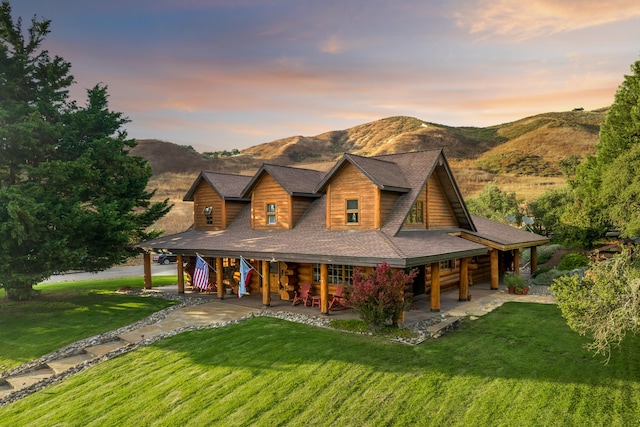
(463,293)
(324,288)
(147,270)
(495,275)
(377,214)
(180,274)
(534,259)
(219,278)
(516,262)
(266,296)
(435,286)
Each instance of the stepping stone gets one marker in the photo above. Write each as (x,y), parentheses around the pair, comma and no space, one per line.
(62,365)
(5,388)
(102,349)
(25,380)
(435,329)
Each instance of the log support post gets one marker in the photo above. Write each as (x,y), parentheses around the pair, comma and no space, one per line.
(463,293)
(219,278)
(516,262)
(266,296)
(147,270)
(324,289)
(534,259)
(435,286)
(495,275)
(180,274)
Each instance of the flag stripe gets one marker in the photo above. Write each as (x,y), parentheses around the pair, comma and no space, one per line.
(201,274)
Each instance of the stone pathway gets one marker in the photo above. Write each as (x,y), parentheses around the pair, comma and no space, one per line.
(36,375)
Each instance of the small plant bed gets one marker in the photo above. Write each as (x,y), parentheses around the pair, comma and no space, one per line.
(516,284)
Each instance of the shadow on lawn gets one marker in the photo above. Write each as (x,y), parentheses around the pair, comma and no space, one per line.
(516,341)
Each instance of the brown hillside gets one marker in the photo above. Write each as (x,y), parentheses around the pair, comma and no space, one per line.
(521,156)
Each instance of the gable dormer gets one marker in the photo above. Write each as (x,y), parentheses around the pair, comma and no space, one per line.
(280,195)
(361,192)
(216,199)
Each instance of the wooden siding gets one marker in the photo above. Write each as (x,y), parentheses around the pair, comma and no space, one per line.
(449,277)
(387,203)
(419,225)
(439,212)
(350,183)
(205,196)
(300,206)
(267,190)
(233,209)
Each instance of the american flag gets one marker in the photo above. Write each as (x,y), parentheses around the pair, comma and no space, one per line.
(201,274)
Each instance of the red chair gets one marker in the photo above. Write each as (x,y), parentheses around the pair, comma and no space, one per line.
(339,299)
(302,294)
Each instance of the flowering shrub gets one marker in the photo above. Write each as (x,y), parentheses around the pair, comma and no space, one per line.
(379,297)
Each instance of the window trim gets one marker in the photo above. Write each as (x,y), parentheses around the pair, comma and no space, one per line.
(271,214)
(352,211)
(416,216)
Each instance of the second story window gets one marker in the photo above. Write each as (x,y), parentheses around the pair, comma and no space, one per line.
(416,215)
(353,213)
(271,214)
(208,214)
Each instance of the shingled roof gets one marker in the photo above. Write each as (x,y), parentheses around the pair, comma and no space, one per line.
(295,181)
(503,236)
(228,186)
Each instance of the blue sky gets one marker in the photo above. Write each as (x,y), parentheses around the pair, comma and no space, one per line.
(232,74)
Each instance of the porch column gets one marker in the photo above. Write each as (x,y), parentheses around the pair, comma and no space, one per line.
(266,296)
(147,270)
(435,286)
(324,289)
(464,279)
(219,278)
(534,259)
(493,253)
(516,262)
(180,274)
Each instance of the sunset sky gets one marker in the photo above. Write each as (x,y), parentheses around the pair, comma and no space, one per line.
(232,74)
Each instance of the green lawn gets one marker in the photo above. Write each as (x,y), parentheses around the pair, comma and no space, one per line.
(67,312)
(517,366)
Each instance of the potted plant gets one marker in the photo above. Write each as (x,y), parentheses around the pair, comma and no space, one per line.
(516,284)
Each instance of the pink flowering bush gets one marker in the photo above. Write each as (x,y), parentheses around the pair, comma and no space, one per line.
(379,298)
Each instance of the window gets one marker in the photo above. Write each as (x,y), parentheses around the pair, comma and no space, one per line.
(208,214)
(352,211)
(448,264)
(416,215)
(338,274)
(271,214)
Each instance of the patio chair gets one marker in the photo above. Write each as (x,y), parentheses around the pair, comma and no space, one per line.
(302,294)
(339,300)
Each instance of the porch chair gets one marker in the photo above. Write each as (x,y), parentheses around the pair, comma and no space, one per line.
(302,294)
(339,299)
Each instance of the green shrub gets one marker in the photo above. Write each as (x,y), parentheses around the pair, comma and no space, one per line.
(545,252)
(546,278)
(541,271)
(514,280)
(573,260)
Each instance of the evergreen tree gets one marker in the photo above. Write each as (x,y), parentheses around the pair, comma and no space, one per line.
(70,195)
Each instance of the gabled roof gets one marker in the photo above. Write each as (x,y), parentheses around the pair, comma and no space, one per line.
(295,181)
(386,175)
(228,186)
(417,168)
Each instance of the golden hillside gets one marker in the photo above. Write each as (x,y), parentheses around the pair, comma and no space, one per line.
(520,156)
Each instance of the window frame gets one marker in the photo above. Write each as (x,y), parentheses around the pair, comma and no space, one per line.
(416,216)
(271,215)
(208,215)
(351,211)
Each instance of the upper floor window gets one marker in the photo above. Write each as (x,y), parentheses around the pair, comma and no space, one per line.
(416,216)
(208,214)
(353,213)
(271,214)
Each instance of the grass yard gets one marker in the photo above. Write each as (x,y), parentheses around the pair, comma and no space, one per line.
(517,366)
(69,311)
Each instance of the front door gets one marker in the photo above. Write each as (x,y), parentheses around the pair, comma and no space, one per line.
(274,276)
(418,282)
